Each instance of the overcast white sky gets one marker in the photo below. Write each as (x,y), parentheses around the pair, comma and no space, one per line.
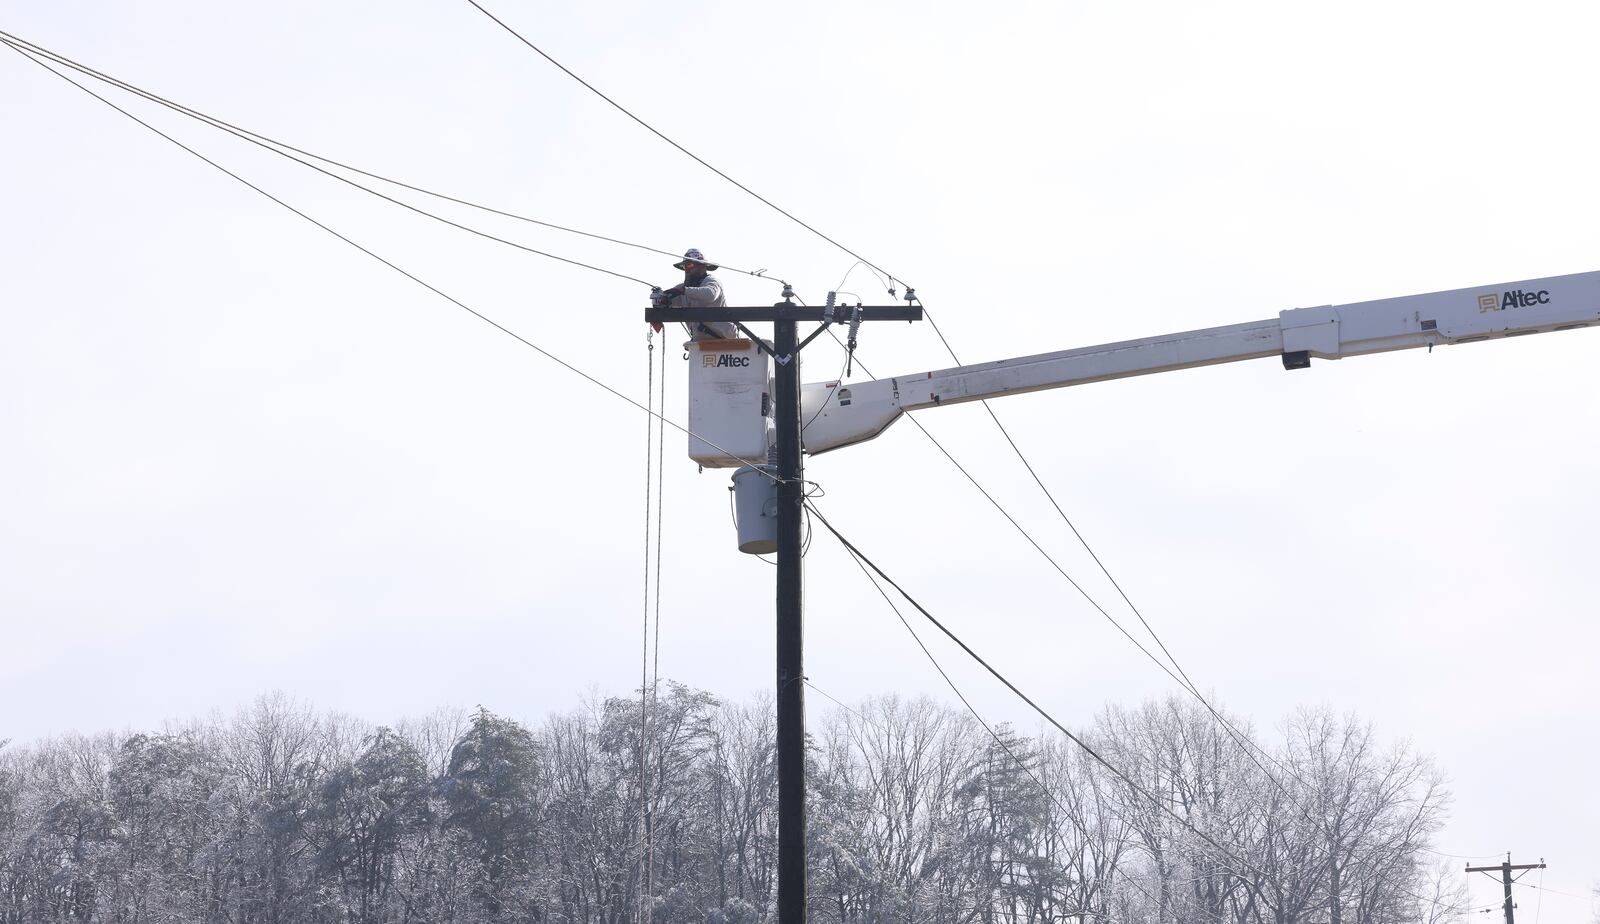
(240,456)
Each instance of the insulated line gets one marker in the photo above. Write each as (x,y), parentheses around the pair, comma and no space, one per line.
(1021,765)
(1047,557)
(1087,749)
(226,125)
(618,106)
(1183,679)
(246,136)
(1024,767)
(1136,788)
(426,285)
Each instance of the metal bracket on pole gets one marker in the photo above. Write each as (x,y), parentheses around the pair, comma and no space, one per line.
(761,345)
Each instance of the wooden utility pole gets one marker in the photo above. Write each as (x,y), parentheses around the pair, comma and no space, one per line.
(785,351)
(1505,869)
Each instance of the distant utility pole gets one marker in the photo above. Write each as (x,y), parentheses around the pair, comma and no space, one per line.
(1505,869)
(791,745)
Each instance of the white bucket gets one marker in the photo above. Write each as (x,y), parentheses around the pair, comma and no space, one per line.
(755,506)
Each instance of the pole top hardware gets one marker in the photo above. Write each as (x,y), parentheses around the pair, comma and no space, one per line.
(779,312)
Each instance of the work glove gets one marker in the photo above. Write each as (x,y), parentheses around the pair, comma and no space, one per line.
(661,299)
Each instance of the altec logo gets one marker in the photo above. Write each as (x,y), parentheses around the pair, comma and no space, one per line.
(712,360)
(1516,298)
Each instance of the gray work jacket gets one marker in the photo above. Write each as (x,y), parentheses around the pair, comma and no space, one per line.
(708,294)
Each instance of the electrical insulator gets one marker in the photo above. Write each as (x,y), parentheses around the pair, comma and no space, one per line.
(850,342)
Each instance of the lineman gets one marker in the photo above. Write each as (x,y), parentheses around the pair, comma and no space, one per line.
(700,289)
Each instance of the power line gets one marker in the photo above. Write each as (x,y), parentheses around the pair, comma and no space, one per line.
(1545,888)
(661,418)
(386,262)
(1243,742)
(247,136)
(1021,765)
(1186,682)
(284,149)
(1004,746)
(1182,678)
(1150,798)
(697,159)
(1087,749)
(243,133)
(1183,681)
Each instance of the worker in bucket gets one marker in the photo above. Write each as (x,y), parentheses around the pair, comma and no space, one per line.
(699,289)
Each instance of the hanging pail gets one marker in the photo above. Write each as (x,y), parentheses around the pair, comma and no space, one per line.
(755,507)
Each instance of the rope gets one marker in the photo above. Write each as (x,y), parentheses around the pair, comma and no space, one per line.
(655,667)
(645,688)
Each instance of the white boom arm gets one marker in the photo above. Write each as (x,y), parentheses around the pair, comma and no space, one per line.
(839,415)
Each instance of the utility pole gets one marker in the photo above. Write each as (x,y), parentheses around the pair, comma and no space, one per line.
(791,628)
(791,744)
(1505,869)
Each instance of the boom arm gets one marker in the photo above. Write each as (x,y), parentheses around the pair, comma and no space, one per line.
(840,415)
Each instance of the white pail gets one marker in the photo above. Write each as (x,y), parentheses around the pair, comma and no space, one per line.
(755,506)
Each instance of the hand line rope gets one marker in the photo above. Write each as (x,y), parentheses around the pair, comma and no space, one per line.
(655,637)
(645,833)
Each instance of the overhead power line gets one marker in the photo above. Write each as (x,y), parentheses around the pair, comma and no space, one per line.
(654,131)
(381,259)
(1185,682)
(1021,765)
(1242,741)
(1017,691)
(289,151)
(1238,861)
(283,150)
(971,709)
(1180,678)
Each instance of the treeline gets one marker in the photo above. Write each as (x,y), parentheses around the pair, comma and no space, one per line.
(918,815)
